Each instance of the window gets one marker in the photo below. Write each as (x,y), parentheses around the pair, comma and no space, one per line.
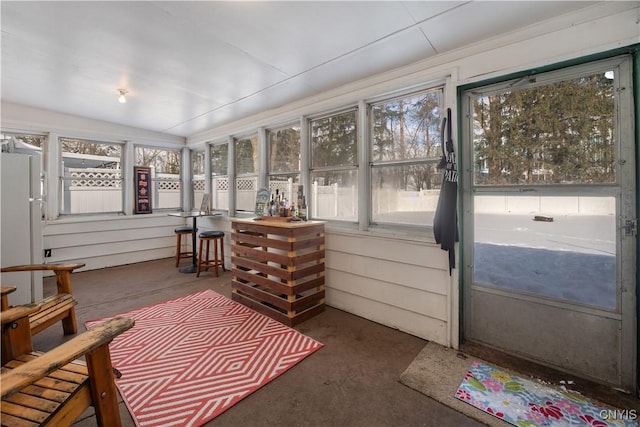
(197,177)
(91,177)
(22,143)
(284,161)
(405,149)
(28,144)
(334,167)
(556,132)
(246,172)
(165,175)
(220,176)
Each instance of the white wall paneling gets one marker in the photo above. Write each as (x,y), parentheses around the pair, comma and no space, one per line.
(403,284)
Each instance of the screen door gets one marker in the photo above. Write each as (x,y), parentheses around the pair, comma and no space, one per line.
(549,220)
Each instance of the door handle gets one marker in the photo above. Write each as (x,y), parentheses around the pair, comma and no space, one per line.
(629,227)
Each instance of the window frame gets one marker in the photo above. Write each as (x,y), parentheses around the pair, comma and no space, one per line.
(294,175)
(427,161)
(247,175)
(353,167)
(214,175)
(63,179)
(156,182)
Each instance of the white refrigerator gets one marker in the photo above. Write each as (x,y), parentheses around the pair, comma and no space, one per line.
(21,218)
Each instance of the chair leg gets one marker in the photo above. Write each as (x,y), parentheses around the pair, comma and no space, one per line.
(199,258)
(178,247)
(222,253)
(103,390)
(206,256)
(215,255)
(70,323)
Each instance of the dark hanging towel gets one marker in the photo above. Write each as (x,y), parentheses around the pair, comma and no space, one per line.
(445,220)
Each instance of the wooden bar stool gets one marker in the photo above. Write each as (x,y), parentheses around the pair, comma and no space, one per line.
(204,263)
(186,231)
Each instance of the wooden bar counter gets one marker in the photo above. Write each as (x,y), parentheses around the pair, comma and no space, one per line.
(278,267)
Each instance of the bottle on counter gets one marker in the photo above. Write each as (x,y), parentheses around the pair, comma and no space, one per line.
(272,204)
(302,210)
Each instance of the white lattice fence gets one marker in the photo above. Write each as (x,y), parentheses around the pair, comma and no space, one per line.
(246,189)
(100,190)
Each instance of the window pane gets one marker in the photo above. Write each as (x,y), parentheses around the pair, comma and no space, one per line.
(91,177)
(219,176)
(405,149)
(407,128)
(558,133)
(405,194)
(284,150)
(247,155)
(197,177)
(21,143)
(31,145)
(165,175)
(219,159)
(286,184)
(514,252)
(334,140)
(246,173)
(334,195)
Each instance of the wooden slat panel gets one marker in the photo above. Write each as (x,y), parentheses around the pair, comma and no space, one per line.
(17,422)
(261,295)
(252,239)
(46,393)
(252,277)
(307,314)
(261,308)
(305,285)
(33,401)
(72,410)
(29,414)
(273,280)
(307,271)
(253,265)
(51,306)
(259,228)
(261,255)
(305,243)
(307,257)
(308,301)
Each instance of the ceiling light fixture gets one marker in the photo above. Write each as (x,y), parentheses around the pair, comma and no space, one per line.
(122,99)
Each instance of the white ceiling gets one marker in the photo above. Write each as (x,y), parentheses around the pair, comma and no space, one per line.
(193,65)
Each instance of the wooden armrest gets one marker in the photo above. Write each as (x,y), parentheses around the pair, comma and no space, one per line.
(16,379)
(6,290)
(14,313)
(42,267)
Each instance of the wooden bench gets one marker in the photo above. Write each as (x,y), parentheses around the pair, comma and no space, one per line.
(55,388)
(54,308)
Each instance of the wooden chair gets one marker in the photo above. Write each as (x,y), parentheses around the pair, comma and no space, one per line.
(54,308)
(55,388)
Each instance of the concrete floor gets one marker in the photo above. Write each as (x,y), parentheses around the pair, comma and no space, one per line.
(352,381)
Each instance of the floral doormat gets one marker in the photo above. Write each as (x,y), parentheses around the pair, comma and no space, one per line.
(525,403)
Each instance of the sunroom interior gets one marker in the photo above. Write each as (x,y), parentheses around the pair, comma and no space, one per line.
(345,101)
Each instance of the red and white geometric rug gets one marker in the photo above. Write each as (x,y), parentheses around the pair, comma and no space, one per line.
(189,359)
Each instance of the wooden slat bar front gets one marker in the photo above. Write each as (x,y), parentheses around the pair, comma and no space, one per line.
(278,267)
